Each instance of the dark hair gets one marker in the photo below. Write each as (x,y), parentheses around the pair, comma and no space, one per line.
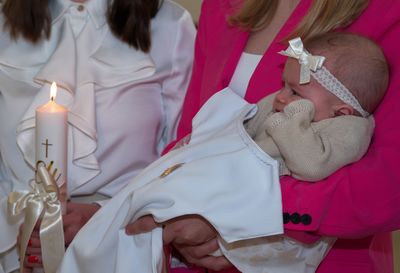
(31,18)
(129,20)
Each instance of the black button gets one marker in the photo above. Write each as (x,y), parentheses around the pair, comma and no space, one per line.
(286,217)
(295,218)
(306,219)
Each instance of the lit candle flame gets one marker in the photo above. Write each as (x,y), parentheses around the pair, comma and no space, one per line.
(53,91)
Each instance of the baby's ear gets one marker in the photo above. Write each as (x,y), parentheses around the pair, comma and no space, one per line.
(343,110)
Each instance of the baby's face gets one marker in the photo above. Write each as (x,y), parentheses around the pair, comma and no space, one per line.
(322,99)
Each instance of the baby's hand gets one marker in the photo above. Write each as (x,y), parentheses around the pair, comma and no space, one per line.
(297,108)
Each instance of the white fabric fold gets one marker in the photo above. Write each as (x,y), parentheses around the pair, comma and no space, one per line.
(276,254)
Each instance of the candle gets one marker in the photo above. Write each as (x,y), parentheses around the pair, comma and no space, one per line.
(51,142)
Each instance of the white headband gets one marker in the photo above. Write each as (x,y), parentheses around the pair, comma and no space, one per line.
(313,65)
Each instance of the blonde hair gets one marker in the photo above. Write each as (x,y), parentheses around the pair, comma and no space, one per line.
(254,14)
(323,16)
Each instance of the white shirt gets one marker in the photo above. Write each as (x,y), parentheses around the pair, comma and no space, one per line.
(244,70)
(124,104)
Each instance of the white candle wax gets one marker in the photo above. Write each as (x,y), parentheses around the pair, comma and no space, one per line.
(51,142)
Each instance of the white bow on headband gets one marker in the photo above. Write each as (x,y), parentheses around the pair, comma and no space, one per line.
(313,65)
(307,61)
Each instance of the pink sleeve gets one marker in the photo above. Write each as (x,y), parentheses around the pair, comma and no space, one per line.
(363,198)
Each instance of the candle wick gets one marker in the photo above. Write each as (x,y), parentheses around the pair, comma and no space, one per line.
(52,98)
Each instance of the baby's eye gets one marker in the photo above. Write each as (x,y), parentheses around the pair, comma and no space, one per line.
(295,93)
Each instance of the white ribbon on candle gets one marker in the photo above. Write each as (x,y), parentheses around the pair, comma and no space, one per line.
(42,202)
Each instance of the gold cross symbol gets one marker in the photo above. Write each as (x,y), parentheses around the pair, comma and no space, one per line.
(47,144)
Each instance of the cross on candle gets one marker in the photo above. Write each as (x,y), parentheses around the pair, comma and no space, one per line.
(47,144)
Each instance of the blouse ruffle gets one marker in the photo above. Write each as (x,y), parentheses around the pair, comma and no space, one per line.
(76,74)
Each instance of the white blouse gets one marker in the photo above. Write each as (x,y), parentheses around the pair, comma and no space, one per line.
(123,104)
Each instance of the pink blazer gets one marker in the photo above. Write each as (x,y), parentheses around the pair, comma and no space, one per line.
(358,201)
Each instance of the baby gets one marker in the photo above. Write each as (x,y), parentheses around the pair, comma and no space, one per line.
(296,125)
(228,172)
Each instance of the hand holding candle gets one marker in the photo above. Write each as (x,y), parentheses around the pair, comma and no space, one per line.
(46,201)
(51,142)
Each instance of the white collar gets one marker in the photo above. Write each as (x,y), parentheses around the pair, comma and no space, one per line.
(96,8)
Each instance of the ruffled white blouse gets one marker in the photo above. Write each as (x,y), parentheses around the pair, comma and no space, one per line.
(123,104)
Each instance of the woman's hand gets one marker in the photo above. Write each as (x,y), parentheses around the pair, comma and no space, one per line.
(192,236)
(77,216)
(33,252)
